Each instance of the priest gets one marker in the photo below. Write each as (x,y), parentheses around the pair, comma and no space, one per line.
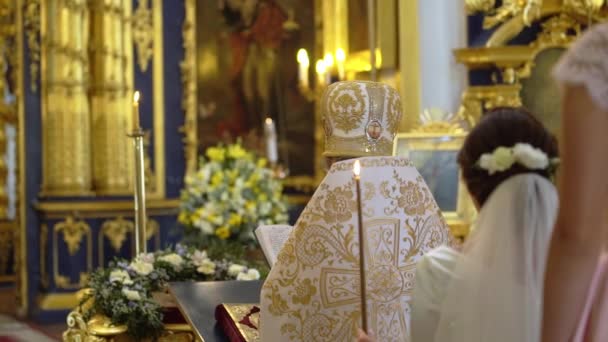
(313,291)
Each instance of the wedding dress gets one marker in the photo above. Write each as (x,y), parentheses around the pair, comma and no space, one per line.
(586,64)
(493,292)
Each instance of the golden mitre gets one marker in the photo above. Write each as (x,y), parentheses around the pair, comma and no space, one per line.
(361,118)
(312,292)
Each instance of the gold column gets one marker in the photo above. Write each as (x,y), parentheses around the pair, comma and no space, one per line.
(112,168)
(65,107)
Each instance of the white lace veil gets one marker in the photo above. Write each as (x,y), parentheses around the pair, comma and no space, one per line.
(496,294)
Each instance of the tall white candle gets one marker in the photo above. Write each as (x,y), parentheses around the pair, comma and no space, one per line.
(321,72)
(272,152)
(303,64)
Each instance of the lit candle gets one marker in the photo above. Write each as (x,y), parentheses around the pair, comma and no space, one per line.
(329,62)
(272,152)
(362,278)
(136,126)
(303,64)
(340,58)
(321,71)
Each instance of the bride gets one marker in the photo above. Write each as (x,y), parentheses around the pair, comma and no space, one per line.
(492,290)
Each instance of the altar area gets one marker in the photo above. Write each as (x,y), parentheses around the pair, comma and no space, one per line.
(169,130)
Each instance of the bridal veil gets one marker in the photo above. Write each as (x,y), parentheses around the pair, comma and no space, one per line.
(496,294)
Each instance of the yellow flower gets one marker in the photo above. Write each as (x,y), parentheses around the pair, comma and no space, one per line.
(262,162)
(223,232)
(263,197)
(235,220)
(183,218)
(217,179)
(215,154)
(236,152)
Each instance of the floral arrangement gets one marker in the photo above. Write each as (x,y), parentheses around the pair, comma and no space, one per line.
(503,158)
(232,193)
(123,291)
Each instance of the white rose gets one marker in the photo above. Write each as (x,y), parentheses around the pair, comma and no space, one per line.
(173,259)
(205,227)
(146,257)
(142,268)
(120,276)
(198,257)
(251,274)
(130,294)
(235,269)
(530,157)
(206,267)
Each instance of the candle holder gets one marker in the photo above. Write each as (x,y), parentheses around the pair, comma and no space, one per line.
(139,191)
(312,94)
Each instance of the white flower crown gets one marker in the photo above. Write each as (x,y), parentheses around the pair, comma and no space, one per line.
(524,154)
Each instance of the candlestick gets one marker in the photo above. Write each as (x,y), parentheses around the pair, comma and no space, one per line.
(303,64)
(362,278)
(136,126)
(271,141)
(340,58)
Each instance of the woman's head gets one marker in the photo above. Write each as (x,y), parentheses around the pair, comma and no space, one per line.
(503,127)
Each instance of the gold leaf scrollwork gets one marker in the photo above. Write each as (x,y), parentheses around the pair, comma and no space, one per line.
(143,34)
(32,32)
(188,75)
(116,232)
(73,233)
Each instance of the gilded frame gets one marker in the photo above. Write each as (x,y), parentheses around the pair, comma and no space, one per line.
(461,218)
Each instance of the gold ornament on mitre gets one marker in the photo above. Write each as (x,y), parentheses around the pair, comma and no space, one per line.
(313,292)
(361,118)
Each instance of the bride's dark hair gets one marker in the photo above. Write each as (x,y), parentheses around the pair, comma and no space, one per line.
(501,127)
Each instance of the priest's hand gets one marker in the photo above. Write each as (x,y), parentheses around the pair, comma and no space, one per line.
(364,338)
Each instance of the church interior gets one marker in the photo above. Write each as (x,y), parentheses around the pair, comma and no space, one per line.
(144,141)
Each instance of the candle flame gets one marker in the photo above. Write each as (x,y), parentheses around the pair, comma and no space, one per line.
(302,57)
(340,55)
(136,97)
(329,60)
(268,121)
(320,67)
(357,168)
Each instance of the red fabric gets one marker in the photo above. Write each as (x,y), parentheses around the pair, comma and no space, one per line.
(7,339)
(229,327)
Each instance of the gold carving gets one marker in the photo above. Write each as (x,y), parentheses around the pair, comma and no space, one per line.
(143,33)
(73,231)
(188,74)
(116,232)
(65,106)
(32,32)
(111,109)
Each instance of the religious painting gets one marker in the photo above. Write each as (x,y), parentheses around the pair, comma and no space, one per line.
(247,72)
(540,93)
(435,157)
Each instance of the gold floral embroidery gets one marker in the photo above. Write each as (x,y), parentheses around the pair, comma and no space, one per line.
(304,291)
(346,106)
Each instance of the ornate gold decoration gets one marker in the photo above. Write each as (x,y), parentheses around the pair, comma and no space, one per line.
(32,32)
(111,106)
(44,245)
(116,232)
(73,231)
(65,106)
(188,74)
(143,33)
